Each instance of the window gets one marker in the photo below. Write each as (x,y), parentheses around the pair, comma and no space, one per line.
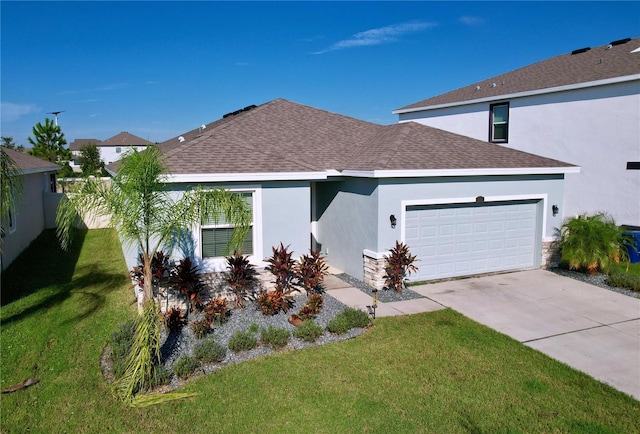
(499,123)
(118,150)
(53,188)
(215,237)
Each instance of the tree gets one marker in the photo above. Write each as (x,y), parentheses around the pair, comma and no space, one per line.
(144,212)
(48,142)
(10,187)
(90,161)
(8,142)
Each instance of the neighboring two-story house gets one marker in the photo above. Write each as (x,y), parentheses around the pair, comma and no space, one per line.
(581,107)
(110,149)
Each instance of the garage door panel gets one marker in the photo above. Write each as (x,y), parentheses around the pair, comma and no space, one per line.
(457,240)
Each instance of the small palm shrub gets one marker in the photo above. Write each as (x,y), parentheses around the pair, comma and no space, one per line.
(242,340)
(188,282)
(216,311)
(185,366)
(398,265)
(620,279)
(592,242)
(209,351)
(310,271)
(308,331)
(276,337)
(312,307)
(120,344)
(200,327)
(347,319)
(241,276)
(173,320)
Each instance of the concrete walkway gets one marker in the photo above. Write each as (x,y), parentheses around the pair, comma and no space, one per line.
(589,328)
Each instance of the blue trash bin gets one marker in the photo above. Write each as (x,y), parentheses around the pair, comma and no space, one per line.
(634,252)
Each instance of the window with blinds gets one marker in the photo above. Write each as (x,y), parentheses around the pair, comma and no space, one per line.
(215,237)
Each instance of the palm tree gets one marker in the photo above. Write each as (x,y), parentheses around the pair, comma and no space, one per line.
(144,213)
(10,186)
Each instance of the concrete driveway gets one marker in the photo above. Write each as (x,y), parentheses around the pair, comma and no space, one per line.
(589,328)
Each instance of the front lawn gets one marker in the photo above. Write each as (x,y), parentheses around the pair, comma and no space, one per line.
(434,372)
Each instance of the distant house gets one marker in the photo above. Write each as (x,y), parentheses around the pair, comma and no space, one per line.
(28,217)
(582,107)
(351,188)
(110,149)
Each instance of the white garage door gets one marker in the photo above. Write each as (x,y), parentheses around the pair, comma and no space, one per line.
(466,239)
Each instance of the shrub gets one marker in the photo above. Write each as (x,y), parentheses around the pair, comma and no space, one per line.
(160,267)
(276,337)
(347,319)
(173,320)
(312,307)
(200,328)
(242,341)
(185,366)
(283,268)
(592,243)
(209,352)
(308,331)
(241,276)
(310,271)
(398,264)
(188,282)
(624,280)
(120,343)
(270,302)
(216,310)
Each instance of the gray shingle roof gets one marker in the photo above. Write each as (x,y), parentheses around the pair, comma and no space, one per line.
(599,63)
(124,139)
(282,136)
(79,143)
(30,164)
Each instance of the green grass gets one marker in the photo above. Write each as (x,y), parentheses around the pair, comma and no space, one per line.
(434,372)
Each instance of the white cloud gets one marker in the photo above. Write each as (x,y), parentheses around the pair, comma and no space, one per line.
(471,21)
(12,112)
(380,35)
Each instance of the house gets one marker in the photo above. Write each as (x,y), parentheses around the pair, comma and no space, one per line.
(351,188)
(28,217)
(110,149)
(581,107)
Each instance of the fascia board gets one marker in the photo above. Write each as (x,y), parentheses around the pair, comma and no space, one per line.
(459,172)
(244,177)
(40,170)
(522,94)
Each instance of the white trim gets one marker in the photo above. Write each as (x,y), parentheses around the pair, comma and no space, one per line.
(544,197)
(576,86)
(40,170)
(459,172)
(244,177)
(375,255)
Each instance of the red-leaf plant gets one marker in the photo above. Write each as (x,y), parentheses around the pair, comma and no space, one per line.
(310,272)
(399,263)
(187,280)
(241,276)
(283,268)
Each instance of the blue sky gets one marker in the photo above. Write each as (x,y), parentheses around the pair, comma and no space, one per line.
(158,69)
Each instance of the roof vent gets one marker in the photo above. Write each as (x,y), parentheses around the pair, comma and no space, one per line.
(477,87)
(619,42)
(493,85)
(581,50)
(247,108)
(181,139)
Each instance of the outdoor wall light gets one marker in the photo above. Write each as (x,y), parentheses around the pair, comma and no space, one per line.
(374,304)
(394,221)
(555,210)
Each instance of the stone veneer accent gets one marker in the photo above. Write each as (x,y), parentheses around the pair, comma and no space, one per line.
(551,254)
(374,270)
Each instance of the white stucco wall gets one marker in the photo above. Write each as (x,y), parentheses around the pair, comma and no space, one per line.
(29,217)
(595,128)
